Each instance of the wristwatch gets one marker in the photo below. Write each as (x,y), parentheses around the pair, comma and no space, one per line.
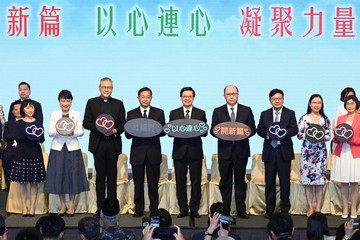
(209,234)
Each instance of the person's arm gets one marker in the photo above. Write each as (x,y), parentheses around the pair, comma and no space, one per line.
(292,128)
(349,230)
(52,128)
(214,224)
(301,126)
(262,129)
(79,130)
(178,235)
(148,232)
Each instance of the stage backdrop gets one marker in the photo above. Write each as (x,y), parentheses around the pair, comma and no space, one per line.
(302,47)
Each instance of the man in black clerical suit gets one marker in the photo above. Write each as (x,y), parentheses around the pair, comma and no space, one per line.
(145,154)
(24,93)
(9,137)
(105,147)
(233,155)
(188,153)
(277,155)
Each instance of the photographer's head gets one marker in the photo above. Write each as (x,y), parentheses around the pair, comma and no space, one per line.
(317,226)
(280,226)
(164,217)
(52,227)
(89,228)
(110,212)
(3,229)
(216,207)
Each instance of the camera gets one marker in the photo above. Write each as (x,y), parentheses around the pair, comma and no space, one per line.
(153,220)
(227,220)
(164,232)
(356,224)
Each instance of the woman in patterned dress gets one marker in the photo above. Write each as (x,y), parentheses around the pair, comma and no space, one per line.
(314,155)
(28,165)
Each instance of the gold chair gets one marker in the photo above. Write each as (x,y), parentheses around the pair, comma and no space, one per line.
(204,204)
(214,191)
(122,189)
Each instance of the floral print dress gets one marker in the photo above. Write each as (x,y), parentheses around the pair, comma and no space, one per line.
(313,164)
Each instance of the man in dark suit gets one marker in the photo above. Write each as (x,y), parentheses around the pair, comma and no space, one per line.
(145,153)
(233,155)
(188,153)
(24,93)
(277,155)
(9,137)
(105,147)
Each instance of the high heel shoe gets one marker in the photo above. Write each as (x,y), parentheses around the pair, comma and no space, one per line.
(70,214)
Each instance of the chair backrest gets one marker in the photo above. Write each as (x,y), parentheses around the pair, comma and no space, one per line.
(122,168)
(258,170)
(215,174)
(203,173)
(295,168)
(85,159)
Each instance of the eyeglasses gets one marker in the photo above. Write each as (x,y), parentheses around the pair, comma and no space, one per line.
(316,103)
(106,87)
(231,94)
(187,96)
(277,99)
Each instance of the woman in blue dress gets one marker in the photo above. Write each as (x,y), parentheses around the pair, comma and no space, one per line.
(28,165)
(314,155)
(66,172)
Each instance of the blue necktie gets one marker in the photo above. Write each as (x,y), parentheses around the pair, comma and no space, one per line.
(275,143)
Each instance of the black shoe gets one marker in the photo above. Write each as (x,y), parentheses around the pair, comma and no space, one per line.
(243,215)
(183,214)
(194,215)
(268,215)
(96,214)
(138,214)
(70,214)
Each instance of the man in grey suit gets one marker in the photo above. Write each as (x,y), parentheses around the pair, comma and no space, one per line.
(105,147)
(188,153)
(233,155)
(277,155)
(145,154)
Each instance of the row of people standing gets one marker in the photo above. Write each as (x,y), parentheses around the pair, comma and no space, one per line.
(145,153)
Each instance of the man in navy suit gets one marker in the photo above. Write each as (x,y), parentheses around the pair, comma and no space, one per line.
(233,155)
(277,156)
(24,93)
(188,153)
(105,147)
(145,154)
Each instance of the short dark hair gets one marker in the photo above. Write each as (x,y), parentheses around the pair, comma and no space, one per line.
(52,226)
(24,83)
(354,98)
(16,102)
(317,226)
(164,217)
(281,225)
(2,225)
(275,91)
(89,227)
(217,207)
(144,89)
(65,94)
(29,234)
(187,89)
(24,104)
(345,92)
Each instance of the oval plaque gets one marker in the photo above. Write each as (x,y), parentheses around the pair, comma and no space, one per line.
(343,132)
(104,123)
(34,131)
(276,131)
(65,126)
(232,131)
(315,133)
(143,127)
(186,128)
